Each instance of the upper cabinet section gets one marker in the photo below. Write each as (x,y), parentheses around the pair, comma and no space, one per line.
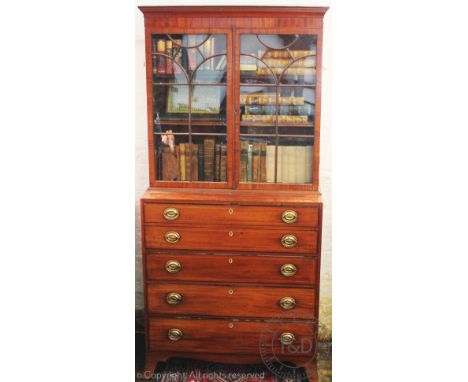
(233,96)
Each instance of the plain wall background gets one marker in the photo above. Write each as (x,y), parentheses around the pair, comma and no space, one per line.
(141,158)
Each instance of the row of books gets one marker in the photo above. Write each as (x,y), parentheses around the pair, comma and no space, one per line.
(297,119)
(257,163)
(308,62)
(188,58)
(283,53)
(208,162)
(269,99)
(283,109)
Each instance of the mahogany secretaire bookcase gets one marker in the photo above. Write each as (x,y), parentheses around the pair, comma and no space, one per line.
(232,220)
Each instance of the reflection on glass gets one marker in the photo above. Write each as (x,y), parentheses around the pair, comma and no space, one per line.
(171,102)
(189,58)
(208,103)
(286,59)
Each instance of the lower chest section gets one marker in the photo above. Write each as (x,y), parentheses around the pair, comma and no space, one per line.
(218,278)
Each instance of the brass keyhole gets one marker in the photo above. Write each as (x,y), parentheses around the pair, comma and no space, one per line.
(231,291)
(231,234)
(231,325)
(231,211)
(230,261)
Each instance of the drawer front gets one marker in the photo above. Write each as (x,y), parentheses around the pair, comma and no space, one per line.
(232,268)
(229,337)
(231,239)
(228,215)
(231,301)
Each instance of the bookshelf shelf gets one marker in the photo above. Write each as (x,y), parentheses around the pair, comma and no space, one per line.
(192,122)
(250,124)
(188,84)
(278,135)
(195,134)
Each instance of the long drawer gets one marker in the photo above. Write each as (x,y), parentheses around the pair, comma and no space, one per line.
(231,215)
(231,337)
(230,301)
(231,268)
(286,240)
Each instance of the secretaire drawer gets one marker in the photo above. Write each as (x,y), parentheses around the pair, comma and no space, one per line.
(231,268)
(231,301)
(232,337)
(231,239)
(226,214)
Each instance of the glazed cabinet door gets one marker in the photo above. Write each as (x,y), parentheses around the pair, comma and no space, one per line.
(189,78)
(276,103)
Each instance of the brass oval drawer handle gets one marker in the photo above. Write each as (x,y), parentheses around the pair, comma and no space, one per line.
(287,338)
(171,213)
(287,303)
(289,216)
(173,266)
(173,298)
(288,270)
(289,241)
(172,237)
(174,334)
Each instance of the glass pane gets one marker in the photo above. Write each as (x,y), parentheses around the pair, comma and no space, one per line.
(189,58)
(170,165)
(257,159)
(171,102)
(296,105)
(205,159)
(277,106)
(209,158)
(189,107)
(208,103)
(295,157)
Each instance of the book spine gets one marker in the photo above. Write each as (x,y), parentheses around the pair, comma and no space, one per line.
(279,165)
(209,160)
(223,165)
(249,162)
(201,161)
(161,62)
(170,165)
(243,162)
(217,162)
(270,164)
(182,161)
(256,163)
(310,163)
(293,168)
(194,162)
(263,171)
(188,162)
(169,63)
(285,164)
